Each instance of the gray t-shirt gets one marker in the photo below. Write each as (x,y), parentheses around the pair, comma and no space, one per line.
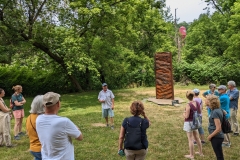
(215,114)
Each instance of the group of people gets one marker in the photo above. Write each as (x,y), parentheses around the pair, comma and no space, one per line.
(219,103)
(16,107)
(51,135)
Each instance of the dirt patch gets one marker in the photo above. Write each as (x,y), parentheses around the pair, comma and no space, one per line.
(99,125)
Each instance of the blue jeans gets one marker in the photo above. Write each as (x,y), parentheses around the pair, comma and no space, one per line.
(36,155)
(200,131)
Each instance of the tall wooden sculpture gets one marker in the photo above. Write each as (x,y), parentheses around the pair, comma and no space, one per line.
(164,76)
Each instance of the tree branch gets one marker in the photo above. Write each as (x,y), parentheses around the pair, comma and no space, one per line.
(216,6)
(39,10)
(116,2)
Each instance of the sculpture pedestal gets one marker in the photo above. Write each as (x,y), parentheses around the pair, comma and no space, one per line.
(165,101)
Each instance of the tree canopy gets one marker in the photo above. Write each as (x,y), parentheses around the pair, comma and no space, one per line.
(87,42)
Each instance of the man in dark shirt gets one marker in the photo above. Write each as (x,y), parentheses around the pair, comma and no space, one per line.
(233,94)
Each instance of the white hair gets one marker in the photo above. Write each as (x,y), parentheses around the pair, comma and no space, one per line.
(37,105)
(232,83)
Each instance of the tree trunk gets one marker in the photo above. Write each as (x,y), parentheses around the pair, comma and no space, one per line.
(87,80)
(75,82)
(102,77)
(40,45)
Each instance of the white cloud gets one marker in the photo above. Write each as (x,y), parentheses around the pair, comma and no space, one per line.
(187,10)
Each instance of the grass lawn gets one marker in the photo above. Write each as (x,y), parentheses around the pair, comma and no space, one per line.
(167,140)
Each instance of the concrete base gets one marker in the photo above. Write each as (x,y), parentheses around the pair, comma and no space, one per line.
(165,101)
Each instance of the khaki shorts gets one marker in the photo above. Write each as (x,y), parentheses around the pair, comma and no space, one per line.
(18,113)
(135,154)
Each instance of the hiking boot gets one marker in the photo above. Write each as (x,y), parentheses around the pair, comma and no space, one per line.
(107,125)
(235,134)
(112,127)
(195,143)
(21,134)
(12,145)
(17,137)
(203,142)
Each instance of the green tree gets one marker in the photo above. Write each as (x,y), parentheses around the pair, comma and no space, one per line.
(86,40)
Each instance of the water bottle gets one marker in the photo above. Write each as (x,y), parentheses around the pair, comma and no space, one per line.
(121,153)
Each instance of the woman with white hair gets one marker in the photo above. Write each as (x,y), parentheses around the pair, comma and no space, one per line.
(37,108)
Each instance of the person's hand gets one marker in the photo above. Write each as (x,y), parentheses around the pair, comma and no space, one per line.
(209,138)
(101,101)
(112,107)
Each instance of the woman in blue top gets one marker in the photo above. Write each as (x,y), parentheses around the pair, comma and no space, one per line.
(211,91)
(216,135)
(224,105)
(134,122)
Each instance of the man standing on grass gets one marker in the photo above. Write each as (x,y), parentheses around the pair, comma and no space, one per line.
(55,132)
(233,94)
(106,97)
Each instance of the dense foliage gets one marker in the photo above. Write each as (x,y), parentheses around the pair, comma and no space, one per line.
(33,82)
(211,51)
(89,42)
(70,46)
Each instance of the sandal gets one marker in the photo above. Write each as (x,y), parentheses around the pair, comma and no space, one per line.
(199,154)
(189,157)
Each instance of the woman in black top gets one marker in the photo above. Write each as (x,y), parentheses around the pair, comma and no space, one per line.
(216,135)
(134,124)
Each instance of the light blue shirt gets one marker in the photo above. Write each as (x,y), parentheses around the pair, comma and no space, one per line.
(107,97)
(235,95)
(225,101)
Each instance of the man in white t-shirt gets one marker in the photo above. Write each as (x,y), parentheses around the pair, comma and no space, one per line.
(55,132)
(106,97)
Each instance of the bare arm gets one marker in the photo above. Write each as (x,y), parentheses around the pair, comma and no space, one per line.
(3,108)
(217,130)
(80,137)
(121,138)
(24,101)
(112,103)
(186,113)
(16,103)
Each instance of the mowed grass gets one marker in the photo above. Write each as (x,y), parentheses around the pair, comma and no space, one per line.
(167,140)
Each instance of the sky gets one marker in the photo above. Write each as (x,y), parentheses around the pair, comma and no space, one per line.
(187,10)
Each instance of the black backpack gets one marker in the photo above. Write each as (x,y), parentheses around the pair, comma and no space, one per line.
(133,137)
(226,126)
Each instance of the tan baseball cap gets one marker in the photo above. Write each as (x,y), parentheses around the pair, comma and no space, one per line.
(50,99)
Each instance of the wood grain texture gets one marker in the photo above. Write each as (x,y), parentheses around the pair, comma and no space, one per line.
(164,76)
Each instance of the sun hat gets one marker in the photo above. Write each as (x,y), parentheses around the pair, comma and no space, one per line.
(50,99)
